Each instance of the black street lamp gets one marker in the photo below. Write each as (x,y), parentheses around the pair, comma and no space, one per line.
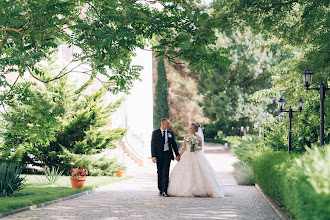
(281,103)
(307,79)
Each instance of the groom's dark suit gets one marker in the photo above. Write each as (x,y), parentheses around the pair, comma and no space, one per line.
(163,157)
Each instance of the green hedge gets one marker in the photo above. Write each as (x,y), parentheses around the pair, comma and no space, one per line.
(215,140)
(299,182)
(246,150)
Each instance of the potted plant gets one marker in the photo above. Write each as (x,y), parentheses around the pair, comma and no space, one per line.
(78,178)
(121,170)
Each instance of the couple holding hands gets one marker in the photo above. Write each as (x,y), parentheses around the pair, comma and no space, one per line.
(193,175)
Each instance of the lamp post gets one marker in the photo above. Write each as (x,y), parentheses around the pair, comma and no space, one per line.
(267,118)
(307,80)
(257,125)
(281,103)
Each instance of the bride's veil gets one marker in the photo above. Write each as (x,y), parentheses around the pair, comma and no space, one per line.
(200,133)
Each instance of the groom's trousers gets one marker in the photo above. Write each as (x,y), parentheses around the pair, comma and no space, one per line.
(163,169)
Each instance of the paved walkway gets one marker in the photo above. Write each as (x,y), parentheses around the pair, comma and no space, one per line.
(137,198)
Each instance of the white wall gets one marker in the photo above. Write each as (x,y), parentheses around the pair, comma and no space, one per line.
(136,112)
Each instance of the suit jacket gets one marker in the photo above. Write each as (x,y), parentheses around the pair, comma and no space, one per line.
(157,144)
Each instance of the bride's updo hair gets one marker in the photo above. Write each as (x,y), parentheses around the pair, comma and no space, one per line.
(196,125)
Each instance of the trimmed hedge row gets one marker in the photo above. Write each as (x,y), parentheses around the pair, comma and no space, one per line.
(301,183)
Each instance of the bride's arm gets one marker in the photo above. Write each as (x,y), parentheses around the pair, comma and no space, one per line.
(199,147)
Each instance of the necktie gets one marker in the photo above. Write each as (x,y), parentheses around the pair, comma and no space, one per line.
(165,146)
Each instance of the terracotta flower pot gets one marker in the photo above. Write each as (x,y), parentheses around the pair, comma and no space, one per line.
(77,182)
(121,173)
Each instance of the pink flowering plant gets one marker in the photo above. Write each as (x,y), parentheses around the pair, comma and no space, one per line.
(76,172)
(121,167)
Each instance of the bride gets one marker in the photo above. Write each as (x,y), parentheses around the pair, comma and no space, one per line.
(194,175)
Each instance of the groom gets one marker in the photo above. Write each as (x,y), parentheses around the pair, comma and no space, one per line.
(162,146)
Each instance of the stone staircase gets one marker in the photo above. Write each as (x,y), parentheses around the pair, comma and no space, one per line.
(120,154)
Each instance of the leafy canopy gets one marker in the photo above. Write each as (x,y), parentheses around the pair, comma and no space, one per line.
(106,33)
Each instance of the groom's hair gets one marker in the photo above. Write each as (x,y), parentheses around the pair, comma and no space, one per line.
(165,119)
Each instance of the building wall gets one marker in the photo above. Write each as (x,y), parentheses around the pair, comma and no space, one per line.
(136,113)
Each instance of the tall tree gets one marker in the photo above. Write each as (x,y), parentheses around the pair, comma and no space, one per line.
(301,24)
(302,28)
(161,109)
(226,89)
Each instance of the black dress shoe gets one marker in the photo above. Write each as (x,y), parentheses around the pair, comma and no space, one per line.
(165,194)
(160,193)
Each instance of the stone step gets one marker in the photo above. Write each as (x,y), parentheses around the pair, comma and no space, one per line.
(122,157)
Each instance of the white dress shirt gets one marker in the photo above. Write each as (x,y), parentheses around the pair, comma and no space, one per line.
(166,147)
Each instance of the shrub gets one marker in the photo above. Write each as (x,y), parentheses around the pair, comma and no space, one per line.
(94,166)
(10,179)
(299,182)
(245,150)
(42,117)
(309,180)
(270,170)
(215,140)
(244,173)
(210,130)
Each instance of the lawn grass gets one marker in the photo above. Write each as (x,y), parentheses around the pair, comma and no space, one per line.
(36,192)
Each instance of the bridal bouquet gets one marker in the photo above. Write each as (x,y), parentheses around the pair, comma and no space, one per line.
(192,140)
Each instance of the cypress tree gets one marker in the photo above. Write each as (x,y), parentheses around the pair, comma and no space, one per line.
(161,109)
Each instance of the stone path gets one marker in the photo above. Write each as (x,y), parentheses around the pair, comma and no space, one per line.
(137,198)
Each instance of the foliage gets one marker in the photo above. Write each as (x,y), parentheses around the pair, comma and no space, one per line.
(270,170)
(210,131)
(298,23)
(121,167)
(161,109)
(51,175)
(310,185)
(93,165)
(305,132)
(212,140)
(41,118)
(246,150)
(300,29)
(36,192)
(10,179)
(244,173)
(226,89)
(76,172)
(299,182)
(183,98)
(105,34)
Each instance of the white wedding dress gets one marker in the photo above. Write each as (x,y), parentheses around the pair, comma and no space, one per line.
(194,176)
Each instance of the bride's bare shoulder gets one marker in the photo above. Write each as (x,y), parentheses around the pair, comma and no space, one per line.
(198,136)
